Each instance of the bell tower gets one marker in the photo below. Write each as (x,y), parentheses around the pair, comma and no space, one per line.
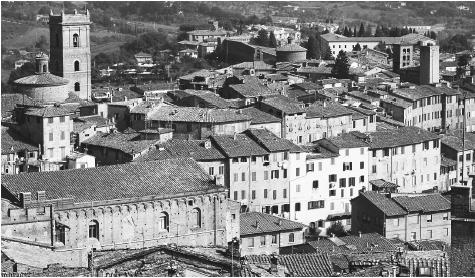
(70,50)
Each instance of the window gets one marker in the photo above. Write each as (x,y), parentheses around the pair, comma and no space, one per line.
(297,188)
(374,153)
(221,169)
(320,166)
(373,169)
(285,173)
(263,240)
(285,193)
(429,218)
(297,156)
(77,87)
(429,233)
(196,214)
(386,152)
(297,172)
(332,206)
(352,181)
(253,159)
(333,161)
(351,192)
(467,156)
(274,194)
(76,65)
(286,155)
(310,167)
(402,149)
(274,174)
(60,235)
(332,178)
(75,40)
(243,194)
(361,165)
(291,237)
(342,192)
(445,216)
(62,119)
(94,229)
(342,182)
(243,159)
(63,152)
(265,193)
(211,171)
(51,152)
(266,175)
(251,242)
(347,152)
(253,176)
(243,176)
(51,136)
(315,184)
(163,223)
(446,231)
(316,204)
(413,236)
(436,143)
(413,148)
(50,120)
(236,177)
(426,145)
(235,160)
(297,206)
(274,239)
(332,193)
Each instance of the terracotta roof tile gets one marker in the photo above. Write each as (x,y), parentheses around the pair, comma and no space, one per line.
(272,142)
(127,143)
(423,203)
(13,142)
(402,136)
(382,202)
(238,145)
(259,117)
(195,114)
(156,178)
(48,111)
(266,223)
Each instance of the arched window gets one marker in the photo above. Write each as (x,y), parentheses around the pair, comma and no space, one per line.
(163,224)
(196,214)
(291,237)
(77,87)
(45,68)
(94,229)
(75,40)
(76,65)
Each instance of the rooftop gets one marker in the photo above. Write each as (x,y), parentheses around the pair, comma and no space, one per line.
(272,142)
(402,136)
(125,142)
(291,48)
(195,149)
(195,114)
(159,179)
(258,116)
(41,80)
(238,145)
(423,91)
(260,223)
(48,111)
(380,183)
(383,203)
(299,265)
(423,203)
(13,142)
(252,88)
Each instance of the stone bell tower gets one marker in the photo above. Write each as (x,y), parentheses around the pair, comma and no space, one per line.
(70,50)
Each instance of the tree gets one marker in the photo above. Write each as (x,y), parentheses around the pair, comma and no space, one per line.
(355,34)
(357,47)
(337,229)
(361,32)
(346,32)
(462,63)
(44,10)
(341,69)
(312,47)
(379,32)
(367,32)
(42,43)
(455,43)
(326,31)
(272,40)
(25,70)
(338,31)
(433,35)
(262,38)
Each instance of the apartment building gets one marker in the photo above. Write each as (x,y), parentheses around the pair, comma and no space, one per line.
(337,169)
(407,156)
(303,124)
(428,107)
(262,171)
(461,154)
(406,217)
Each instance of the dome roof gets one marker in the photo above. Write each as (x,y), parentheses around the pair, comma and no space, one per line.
(41,80)
(290,48)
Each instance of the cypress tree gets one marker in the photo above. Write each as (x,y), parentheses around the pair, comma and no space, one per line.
(362,32)
(341,69)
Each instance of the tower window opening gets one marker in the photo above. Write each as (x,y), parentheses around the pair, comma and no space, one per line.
(45,68)
(76,66)
(75,40)
(77,87)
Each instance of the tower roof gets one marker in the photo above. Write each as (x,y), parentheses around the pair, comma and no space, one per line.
(41,80)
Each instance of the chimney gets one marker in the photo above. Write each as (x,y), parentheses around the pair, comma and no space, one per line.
(280,222)
(257,224)
(333,235)
(235,136)
(41,196)
(25,198)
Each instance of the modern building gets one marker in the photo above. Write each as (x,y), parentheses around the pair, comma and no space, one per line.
(70,50)
(406,217)
(264,234)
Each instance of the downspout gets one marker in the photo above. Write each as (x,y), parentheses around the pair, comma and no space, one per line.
(215,225)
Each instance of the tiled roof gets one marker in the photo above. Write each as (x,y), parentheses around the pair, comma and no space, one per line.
(127,143)
(299,265)
(291,48)
(252,88)
(422,92)
(266,223)
(183,148)
(380,183)
(208,32)
(238,145)
(94,119)
(9,102)
(142,54)
(369,242)
(200,73)
(316,151)
(258,65)
(212,99)
(363,111)
(13,142)
(321,70)
(41,80)
(259,117)
(296,93)
(326,246)
(285,104)
(272,142)
(383,203)
(456,142)
(157,178)
(328,110)
(397,101)
(195,114)
(144,107)
(346,140)
(427,245)
(425,203)
(402,136)
(48,111)
(307,86)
